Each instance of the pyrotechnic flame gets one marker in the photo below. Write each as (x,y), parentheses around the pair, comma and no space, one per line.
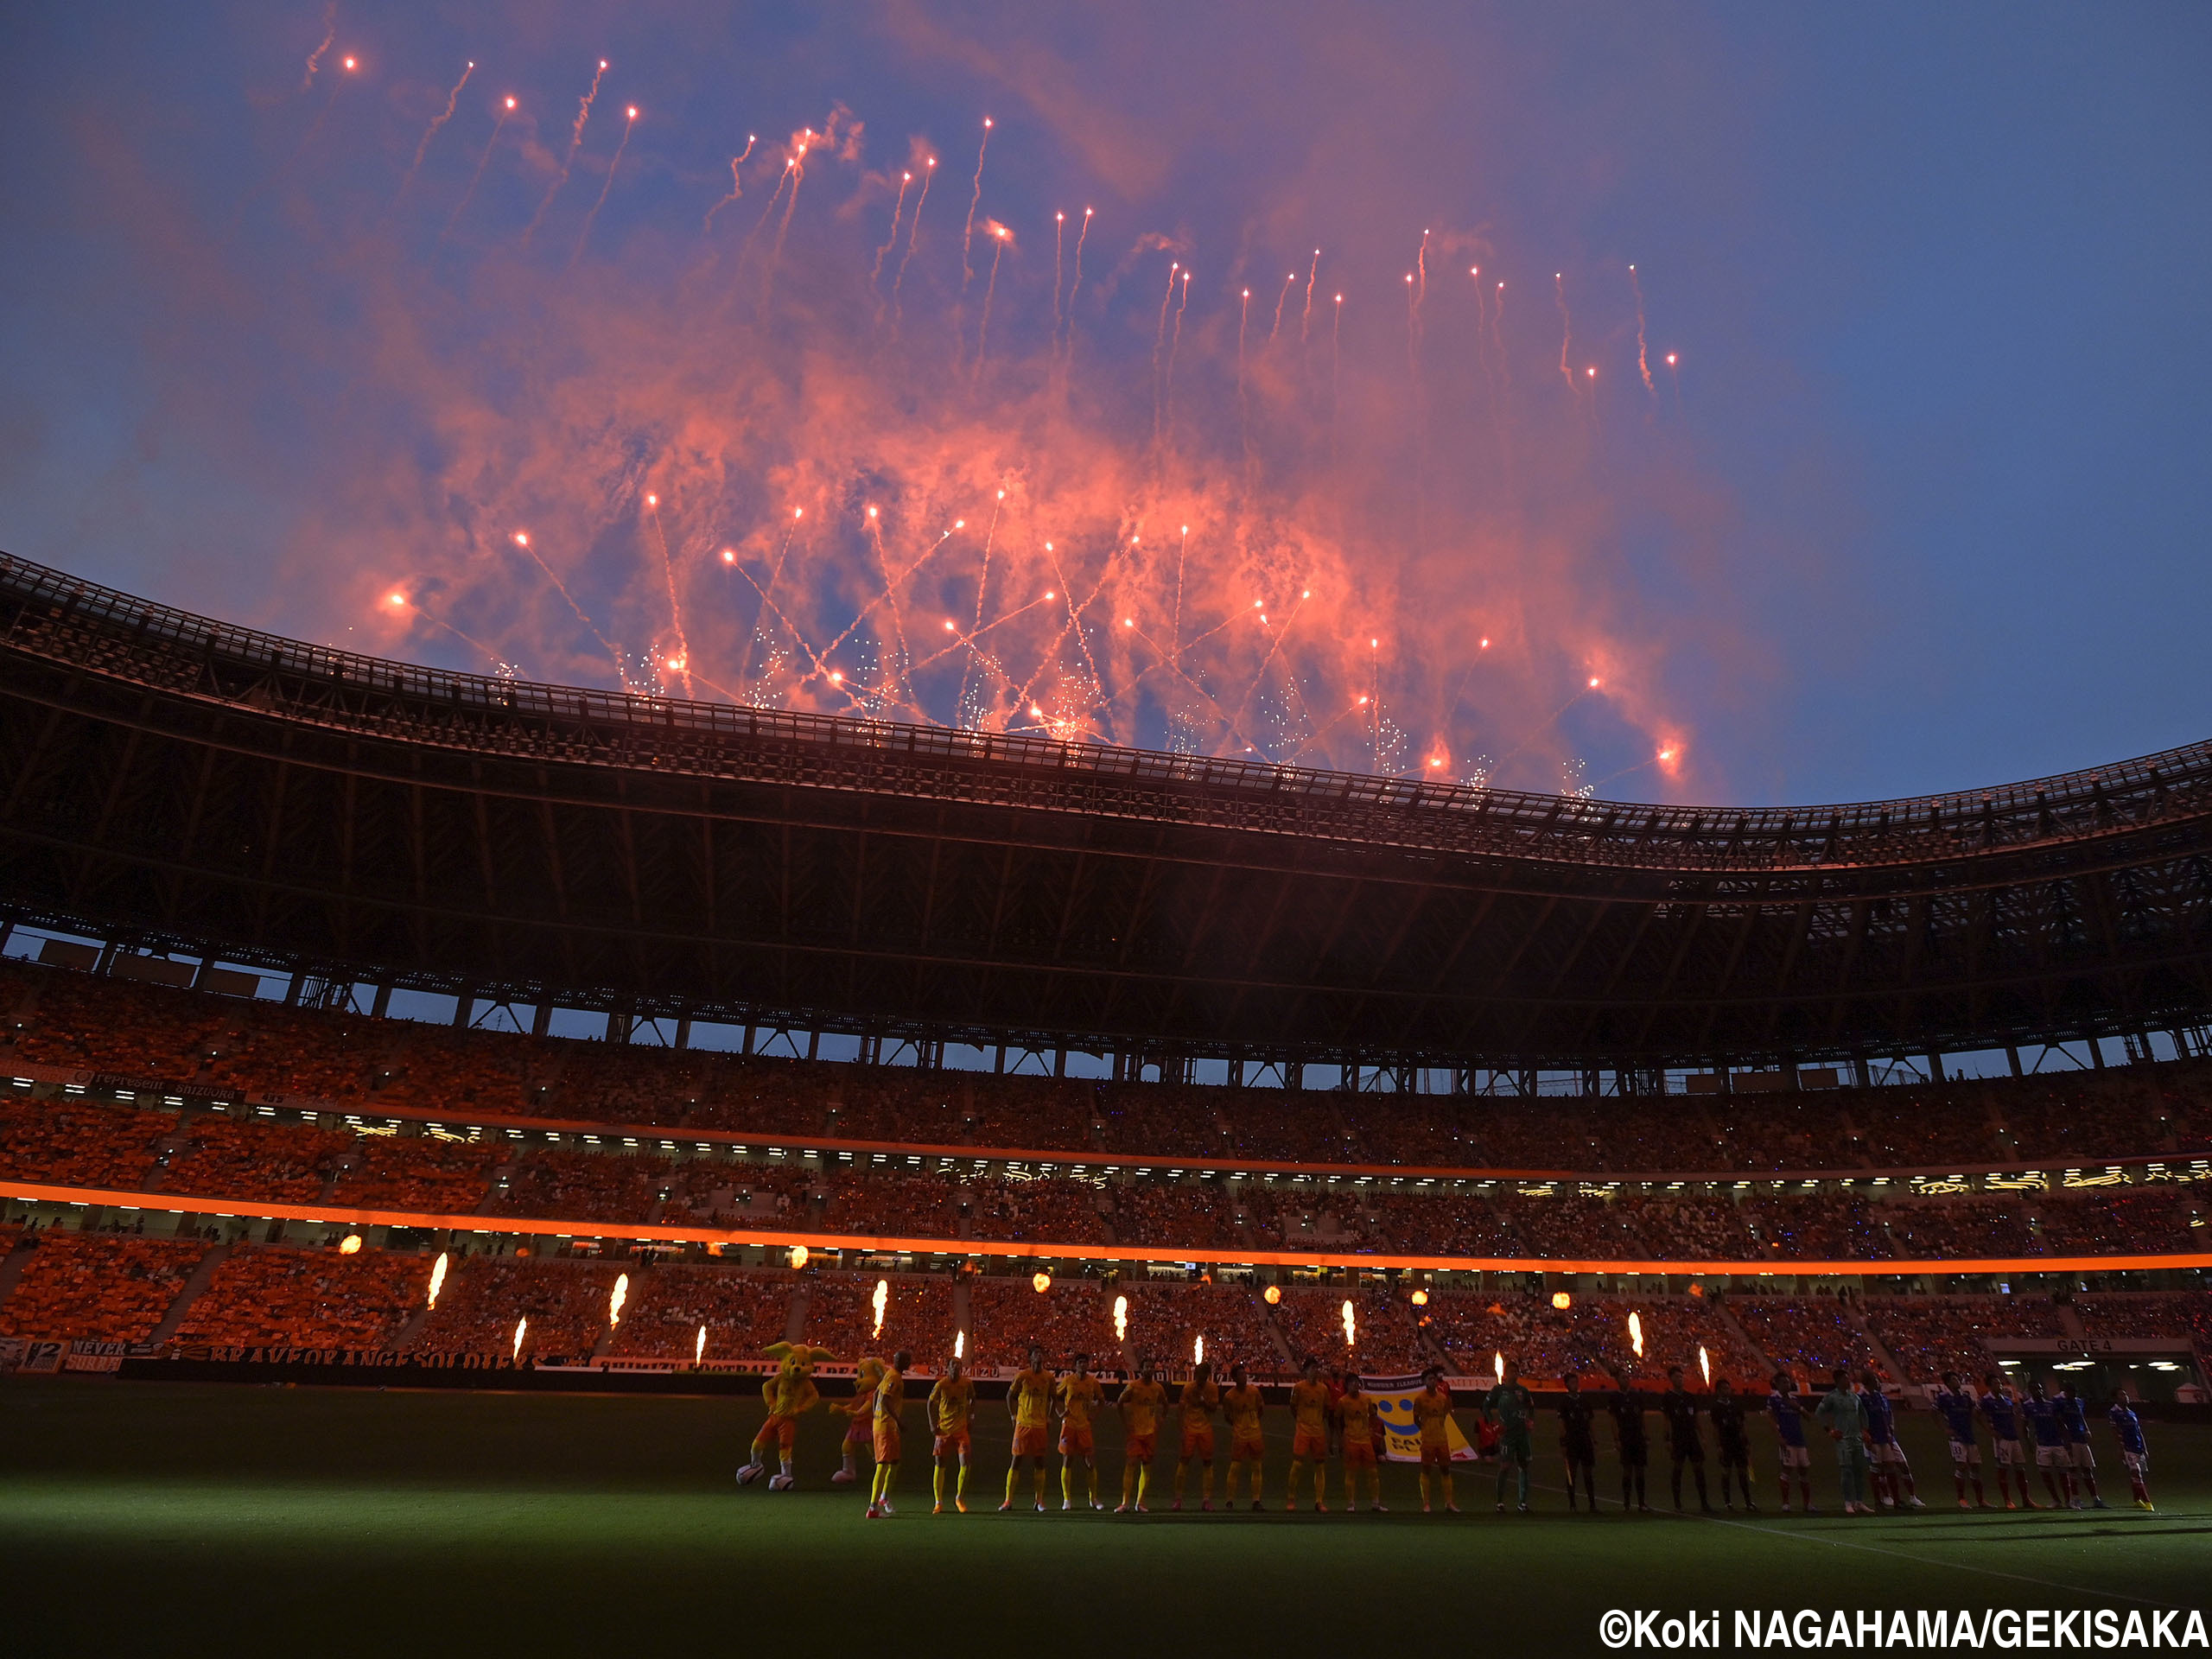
(1272,1295)
(437,1279)
(1705,1365)
(1636,1333)
(798,1255)
(1351,1329)
(614,1302)
(1199,1349)
(880,1300)
(960,1344)
(350,1245)
(1497,1366)
(699,1348)
(522,1325)
(1042,1282)
(1121,1319)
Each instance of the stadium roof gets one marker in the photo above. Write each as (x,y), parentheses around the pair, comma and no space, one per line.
(179,782)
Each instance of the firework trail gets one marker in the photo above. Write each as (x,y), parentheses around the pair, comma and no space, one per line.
(1060,236)
(784,225)
(1643,352)
(1174,347)
(967,230)
(675,609)
(506,109)
(736,184)
(323,114)
(1159,345)
(613,167)
(1482,326)
(913,234)
(898,211)
(1566,330)
(1497,336)
(522,541)
(430,132)
(329,34)
(1421,270)
(999,235)
(1243,409)
(1275,327)
(768,594)
(983,587)
(1335,363)
(568,161)
(1305,321)
(1076,287)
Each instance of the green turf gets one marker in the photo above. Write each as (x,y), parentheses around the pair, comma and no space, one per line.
(211,1517)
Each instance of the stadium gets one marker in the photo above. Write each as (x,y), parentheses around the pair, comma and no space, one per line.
(902,1037)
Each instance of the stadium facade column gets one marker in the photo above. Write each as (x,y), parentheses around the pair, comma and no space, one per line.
(464,1005)
(683,1030)
(1934,1066)
(2012,1058)
(2096,1051)
(1864,1073)
(381,1004)
(8,930)
(541,1020)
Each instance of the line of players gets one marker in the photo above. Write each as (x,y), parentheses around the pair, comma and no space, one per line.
(1333,1405)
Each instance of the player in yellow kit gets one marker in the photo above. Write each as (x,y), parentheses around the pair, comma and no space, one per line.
(1197,1403)
(1244,1406)
(1078,1396)
(1432,1412)
(1355,1419)
(1310,1402)
(950,1403)
(1029,1402)
(1143,1402)
(890,1400)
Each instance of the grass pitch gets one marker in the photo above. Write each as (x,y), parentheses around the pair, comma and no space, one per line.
(213,1517)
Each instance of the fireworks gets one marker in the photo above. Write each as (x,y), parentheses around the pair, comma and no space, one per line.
(350,1245)
(1705,1365)
(1138,637)
(798,1256)
(616,1297)
(437,1280)
(522,1329)
(1351,1326)
(880,1302)
(699,1348)
(1121,1319)
(1040,1282)
(1636,1332)
(1199,1349)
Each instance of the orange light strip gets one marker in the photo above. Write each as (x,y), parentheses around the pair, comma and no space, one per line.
(1013,1250)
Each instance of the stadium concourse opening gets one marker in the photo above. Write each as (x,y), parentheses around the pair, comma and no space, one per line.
(475,1042)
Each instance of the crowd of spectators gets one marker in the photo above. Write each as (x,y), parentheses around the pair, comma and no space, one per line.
(1053,1210)
(1809,1337)
(1069,1316)
(2171,1315)
(1817,1227)
(565,1304)
(1165,1322)
(78,1144)
(413,1171)
(1198,1214)
(97,1287)
(1384,1339)
(226,1157)
(1933,1229)
(917,1315)
(286,1297)
(1927,1337)
(1592,1337)
(574,1185)
(2118,1220)
(743,1312)
(125,1029)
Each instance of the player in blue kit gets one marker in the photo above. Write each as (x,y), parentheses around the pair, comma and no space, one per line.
(1998,1405)
(2042,1414)
(1954,1403)
(2074,1424)
(1887,1468)
(2134,1451)
(1790,1429)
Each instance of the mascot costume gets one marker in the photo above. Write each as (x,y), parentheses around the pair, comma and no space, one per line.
(859,1433)
(790,1394)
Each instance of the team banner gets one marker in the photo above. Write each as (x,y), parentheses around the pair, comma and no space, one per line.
(1394,1409)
